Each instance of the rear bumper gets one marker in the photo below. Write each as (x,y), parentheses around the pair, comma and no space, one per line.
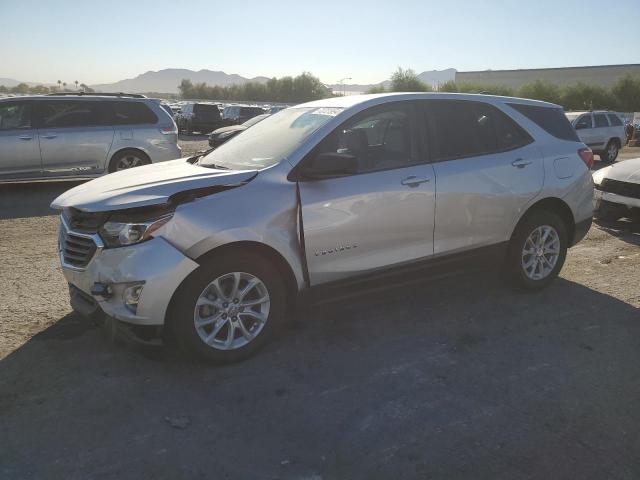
(581,230)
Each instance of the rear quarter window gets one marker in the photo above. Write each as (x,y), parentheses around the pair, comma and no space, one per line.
(551,120)
(132,113)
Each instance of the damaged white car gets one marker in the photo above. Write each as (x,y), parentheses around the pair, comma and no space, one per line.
(617,191)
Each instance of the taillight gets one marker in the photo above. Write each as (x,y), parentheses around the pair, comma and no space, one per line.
(169,130)
(586,154)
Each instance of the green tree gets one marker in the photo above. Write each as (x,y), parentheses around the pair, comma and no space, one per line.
(407,81)
(584,96)
(377,89)
(627,93)
(21,88)
(541,90)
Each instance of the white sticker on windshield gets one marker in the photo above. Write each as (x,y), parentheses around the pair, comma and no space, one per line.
(332,112)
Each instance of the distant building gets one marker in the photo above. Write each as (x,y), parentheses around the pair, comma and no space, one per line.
(603,75)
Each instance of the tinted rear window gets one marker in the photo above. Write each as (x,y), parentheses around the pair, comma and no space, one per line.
(132,113)
(251,111)
(465,128)
(206,112)
(615,120)
(551,120)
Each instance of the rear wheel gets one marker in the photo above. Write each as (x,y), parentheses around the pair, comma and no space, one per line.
(610,153)
(538,250)
(128,159)
(228,308)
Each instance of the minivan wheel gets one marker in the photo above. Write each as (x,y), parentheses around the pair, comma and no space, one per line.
(228,308)
(128,159)
(611,152)
(537,250)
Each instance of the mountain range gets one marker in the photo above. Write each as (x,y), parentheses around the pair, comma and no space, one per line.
(168,79)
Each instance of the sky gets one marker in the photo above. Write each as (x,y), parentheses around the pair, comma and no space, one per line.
(106,41)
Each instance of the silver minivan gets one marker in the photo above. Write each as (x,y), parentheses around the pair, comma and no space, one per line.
(214,249)
(602,131)
(61,136)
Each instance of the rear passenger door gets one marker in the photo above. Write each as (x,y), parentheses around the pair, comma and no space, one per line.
(486,169)
(75,136)
(19,151)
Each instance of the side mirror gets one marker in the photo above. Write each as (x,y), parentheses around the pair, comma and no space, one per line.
(331,164)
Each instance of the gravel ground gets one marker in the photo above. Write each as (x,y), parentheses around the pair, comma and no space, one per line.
(408,383)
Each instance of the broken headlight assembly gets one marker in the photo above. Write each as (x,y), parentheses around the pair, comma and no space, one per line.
(121,233)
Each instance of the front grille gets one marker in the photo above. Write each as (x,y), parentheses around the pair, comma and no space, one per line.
(76,249)
(625,189)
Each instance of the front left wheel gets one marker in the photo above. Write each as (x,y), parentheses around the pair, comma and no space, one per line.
(229,307)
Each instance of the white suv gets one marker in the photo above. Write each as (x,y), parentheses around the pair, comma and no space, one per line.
(603,132)
(216,248)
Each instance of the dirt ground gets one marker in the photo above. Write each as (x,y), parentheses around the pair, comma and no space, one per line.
(452,378)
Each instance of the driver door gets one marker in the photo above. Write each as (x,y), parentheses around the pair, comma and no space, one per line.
(378,214)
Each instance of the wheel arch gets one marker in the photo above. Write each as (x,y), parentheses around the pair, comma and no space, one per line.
(555,205)
(126,149)
(244,246)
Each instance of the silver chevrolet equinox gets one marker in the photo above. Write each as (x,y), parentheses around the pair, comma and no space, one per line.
(216,248)
(74,135)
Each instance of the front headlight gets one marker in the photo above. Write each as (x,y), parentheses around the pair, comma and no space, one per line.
(118,234)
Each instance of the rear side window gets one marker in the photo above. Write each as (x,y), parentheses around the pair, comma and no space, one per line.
(600,120)
(465,128)
(15,115)
(132,113)
(615,120)
(551,120)
(71,113)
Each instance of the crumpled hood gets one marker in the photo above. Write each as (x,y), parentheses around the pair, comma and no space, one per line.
(147,185)
(625,171)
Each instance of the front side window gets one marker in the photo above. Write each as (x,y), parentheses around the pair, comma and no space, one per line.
(15,115)
(377,139)
(584,122)
(461,128)
(271,140)
(70,113)
(600,120)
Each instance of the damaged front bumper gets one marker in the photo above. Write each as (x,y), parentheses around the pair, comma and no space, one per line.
(133,284)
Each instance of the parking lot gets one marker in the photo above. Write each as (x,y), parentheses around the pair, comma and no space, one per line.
(457,377)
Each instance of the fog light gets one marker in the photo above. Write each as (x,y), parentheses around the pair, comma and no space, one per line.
(131,296)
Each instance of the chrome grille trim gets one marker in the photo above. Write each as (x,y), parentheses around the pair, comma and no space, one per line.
(76,249)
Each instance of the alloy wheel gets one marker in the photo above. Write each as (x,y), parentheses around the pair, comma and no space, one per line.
(231,311)
(541,252)
(129,161)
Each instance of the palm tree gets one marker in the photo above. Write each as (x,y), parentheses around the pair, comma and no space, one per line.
(59,83)
(76,82)
(64,84)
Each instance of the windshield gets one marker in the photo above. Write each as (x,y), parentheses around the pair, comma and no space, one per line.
(572,116)
(271,140)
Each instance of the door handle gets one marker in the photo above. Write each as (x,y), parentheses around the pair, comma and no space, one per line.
(49,136)
(414,181)
(26,137)
(521,163)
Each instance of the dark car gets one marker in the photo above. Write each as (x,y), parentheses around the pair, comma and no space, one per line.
(238,114)
(200,117)
(221,135)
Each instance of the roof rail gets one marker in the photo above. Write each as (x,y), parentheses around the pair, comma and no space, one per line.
(94,94)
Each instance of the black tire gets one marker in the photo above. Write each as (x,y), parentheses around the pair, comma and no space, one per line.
(610,157)
(117,158)
(516,246)
(181,319)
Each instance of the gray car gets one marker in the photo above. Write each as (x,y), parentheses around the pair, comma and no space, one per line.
(215,249)
(61,136)
(601,131)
